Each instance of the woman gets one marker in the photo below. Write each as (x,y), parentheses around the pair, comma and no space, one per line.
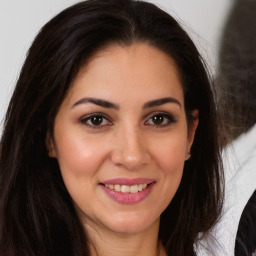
(102,150)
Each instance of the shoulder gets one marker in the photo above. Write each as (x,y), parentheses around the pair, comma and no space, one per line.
(246,234)
(240,176)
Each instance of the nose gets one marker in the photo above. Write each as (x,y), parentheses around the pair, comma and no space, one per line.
(130,149)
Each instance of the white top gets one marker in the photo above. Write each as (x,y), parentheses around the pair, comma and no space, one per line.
(240,174)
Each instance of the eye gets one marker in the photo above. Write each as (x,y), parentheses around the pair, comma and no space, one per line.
(160,119)
(95,121)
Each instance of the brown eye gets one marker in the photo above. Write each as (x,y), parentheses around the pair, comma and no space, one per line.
(95,121)
(160,120)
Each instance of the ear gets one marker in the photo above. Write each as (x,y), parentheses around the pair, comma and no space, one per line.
(192,130)
(50,145)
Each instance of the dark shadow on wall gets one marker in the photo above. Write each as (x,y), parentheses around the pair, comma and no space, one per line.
(236,82)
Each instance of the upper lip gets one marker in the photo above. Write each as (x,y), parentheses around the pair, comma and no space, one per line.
(128,181)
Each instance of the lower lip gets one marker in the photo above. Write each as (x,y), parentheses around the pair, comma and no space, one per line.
(128,198)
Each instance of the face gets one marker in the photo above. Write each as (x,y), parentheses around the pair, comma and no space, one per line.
(121,138)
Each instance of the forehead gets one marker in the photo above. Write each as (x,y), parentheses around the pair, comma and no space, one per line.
(140,54)
(139,69)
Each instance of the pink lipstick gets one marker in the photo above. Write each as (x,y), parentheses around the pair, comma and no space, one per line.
(128,191)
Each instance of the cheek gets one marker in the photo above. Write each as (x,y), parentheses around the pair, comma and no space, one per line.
(171,154)
(171,159)
(78,156)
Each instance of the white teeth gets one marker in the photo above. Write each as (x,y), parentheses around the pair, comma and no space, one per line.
(134,189)
(126,188)
(117,188)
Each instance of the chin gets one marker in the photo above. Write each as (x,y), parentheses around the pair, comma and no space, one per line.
(131,224)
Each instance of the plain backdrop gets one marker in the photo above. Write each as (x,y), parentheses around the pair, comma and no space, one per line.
(20,20)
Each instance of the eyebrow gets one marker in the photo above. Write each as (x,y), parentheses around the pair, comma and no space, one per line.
(107,104)
(162,101)
(99,102)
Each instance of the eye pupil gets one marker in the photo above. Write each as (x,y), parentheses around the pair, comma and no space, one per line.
(97,120)
(158,119)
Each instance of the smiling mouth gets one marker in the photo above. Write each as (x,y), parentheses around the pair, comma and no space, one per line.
(127,189)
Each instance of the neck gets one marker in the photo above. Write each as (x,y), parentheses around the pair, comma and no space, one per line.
(108,243)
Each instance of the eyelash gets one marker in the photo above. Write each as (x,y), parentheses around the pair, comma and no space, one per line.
(89,118)
(167,120)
